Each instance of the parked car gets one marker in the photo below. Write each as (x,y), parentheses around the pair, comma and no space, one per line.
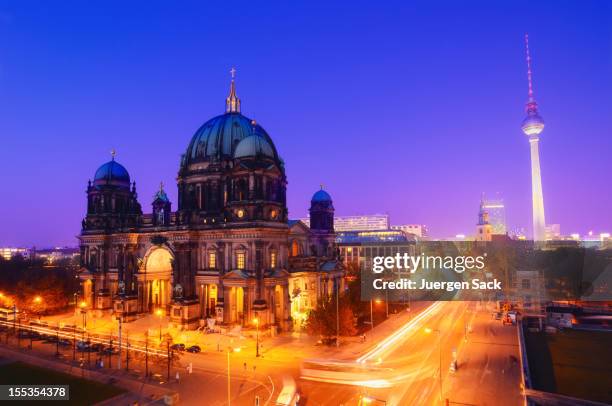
(194,349)
(97,347)
(64,342)
(82,345)
(178,347)
(24,334)
(110,350)
(35,335)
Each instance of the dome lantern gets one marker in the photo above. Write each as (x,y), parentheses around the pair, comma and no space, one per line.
(232,102)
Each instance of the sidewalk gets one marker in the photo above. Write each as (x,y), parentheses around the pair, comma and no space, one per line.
(137,390)
(301,346)
(285,346)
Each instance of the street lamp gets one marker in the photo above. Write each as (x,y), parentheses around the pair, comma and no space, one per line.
(159,314)
(229,393)
(83,306)
(437,331)
(337,313)
(256,321)
(371,315)
(37,301)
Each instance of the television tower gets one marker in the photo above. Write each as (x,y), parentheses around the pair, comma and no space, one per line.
(532,127)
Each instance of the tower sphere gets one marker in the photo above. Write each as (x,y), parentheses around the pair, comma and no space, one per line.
(532,125)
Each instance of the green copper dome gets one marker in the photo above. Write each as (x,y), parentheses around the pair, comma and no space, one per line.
(218,138)
(112,173)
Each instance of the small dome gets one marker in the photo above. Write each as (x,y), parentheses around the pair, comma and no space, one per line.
(254,146)
(112,173)
(161,196)
(321,196)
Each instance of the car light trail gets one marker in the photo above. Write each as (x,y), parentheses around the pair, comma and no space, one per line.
(388,342)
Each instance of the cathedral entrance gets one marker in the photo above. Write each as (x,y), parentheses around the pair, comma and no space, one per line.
(236,305)
(155,280)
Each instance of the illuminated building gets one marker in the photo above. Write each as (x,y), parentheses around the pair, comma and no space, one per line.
(552,232)
(357,248)
(359,223)
(52,255)
(420,230)
(7,253)
(497,215)
(484,230)
(532,126)
(227,252)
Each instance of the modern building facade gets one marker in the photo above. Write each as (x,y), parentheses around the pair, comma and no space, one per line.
(358,248)
(497,215)
(368,222)
(7,253)
(419,230)
(532,126)
(226,251)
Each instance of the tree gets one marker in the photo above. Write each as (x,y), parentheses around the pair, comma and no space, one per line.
(322,320)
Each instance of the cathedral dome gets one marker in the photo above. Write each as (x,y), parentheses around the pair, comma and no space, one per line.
(112,173)
(321,196)
(220,136)
(254,146)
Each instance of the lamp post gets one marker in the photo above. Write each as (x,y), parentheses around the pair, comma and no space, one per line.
(256,321)
(88,351)
(37,301)
(337,313)
(437,331)
(14,317)
(147,353)
(371,314)
(159,314)
(229,392)
(83,306)
(57,353)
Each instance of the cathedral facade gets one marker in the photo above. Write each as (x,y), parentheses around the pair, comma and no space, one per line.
(228,252)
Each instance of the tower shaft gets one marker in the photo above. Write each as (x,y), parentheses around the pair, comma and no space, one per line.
(536,192)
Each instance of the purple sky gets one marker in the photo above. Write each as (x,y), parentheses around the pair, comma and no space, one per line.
(411,110)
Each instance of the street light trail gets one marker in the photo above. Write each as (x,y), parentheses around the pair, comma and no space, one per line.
(394,338)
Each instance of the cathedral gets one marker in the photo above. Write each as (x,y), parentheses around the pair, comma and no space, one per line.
(227,253)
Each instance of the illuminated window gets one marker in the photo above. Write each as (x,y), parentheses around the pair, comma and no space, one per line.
(212,260)
(240,260)
(273,214)
(273,259)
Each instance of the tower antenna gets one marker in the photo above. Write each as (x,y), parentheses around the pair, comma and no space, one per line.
(530,93)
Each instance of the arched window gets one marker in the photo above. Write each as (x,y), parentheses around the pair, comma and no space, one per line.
(273,259)
(212,259)
(240,260)
(295,249)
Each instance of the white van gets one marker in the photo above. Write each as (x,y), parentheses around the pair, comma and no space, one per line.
(289,395)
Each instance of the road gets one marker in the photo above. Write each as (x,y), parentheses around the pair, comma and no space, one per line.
(486,352)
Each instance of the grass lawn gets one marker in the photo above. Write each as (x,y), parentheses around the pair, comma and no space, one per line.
(573,363)
(82,391)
